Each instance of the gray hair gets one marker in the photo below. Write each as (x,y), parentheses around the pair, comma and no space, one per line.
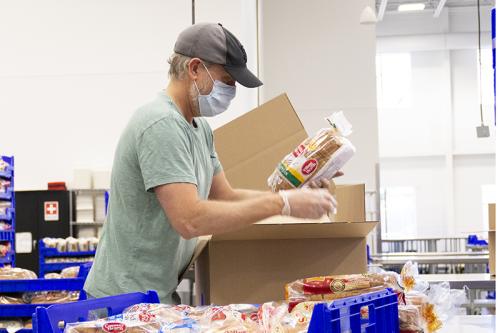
(179,66)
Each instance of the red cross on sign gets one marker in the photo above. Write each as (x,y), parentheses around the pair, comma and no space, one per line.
(51,209)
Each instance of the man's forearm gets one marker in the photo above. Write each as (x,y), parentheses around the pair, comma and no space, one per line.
(215,217)
(241,194)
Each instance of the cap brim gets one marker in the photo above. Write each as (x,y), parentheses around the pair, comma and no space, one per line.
(243,76)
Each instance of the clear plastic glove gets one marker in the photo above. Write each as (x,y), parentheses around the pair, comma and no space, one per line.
(307,203)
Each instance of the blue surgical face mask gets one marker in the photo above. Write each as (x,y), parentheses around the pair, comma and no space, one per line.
(218,100)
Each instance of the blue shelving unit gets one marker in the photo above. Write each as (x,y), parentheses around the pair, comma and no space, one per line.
(26,311)
(49,252)
(10,215)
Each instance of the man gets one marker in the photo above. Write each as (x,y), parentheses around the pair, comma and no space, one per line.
(167,184)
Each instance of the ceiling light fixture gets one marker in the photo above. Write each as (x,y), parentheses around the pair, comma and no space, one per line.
(410,7)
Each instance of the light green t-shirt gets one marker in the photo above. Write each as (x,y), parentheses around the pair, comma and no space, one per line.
(139,249)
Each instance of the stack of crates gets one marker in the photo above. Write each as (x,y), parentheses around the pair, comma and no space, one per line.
(7,212)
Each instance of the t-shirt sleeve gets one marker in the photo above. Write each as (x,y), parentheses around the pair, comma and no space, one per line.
(165,156)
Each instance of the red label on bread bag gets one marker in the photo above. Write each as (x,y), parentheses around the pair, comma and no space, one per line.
(309,167)
(300,149)
(114,327)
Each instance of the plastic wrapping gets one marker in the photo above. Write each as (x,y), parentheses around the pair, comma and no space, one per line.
(3,165)
(317,157)
(5,226)
(409,278)
(328,288)
(4,249)
(15,273)
(53,297)
(70,272)
(3,207)
(52,276)
(275,317)
(12,326)
(4,185)
(170,318)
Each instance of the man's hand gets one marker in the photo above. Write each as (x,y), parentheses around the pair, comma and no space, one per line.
(308,203)
(323,183)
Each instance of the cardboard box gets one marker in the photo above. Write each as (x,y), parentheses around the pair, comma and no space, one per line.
(491,249)
(253,265)
(492,216)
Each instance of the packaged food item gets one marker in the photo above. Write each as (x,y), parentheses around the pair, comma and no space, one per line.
(4,249)
(52,276)
(409,319)
(3,207)
(10,300)
(93,243)
(327,288)
(53,297)
(11,325)
(4,185)
(5,226)
(50,242)
(61,245)
(317,157)
(275,317)
(409,278)
(83,244)
(3,165)
(16,273)
(70,272)
(71,244)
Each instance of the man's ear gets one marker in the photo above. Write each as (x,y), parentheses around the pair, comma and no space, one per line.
(193,68)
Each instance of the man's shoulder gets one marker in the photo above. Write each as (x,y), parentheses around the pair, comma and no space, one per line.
(154,112)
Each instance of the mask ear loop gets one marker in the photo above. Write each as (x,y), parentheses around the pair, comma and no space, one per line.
(208,75)
(208,72)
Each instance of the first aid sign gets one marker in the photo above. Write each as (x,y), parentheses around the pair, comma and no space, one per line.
(51,209)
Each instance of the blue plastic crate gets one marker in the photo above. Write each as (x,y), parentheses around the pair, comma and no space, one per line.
(7,235)
(10,286)
(9,172)
(56,267)
(46,320)
(19,310)
(375,312)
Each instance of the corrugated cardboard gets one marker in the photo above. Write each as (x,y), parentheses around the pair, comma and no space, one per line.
(492,216)
(251,146)
(253,265)
(492,251)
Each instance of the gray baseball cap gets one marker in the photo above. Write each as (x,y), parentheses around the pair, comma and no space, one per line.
(214,43)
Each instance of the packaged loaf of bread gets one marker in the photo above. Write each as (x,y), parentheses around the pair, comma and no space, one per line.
(16,273)
(317,157)
(9,300)
(11,325)
(410,320)
(52,276)
(327,288)
(53,297)
(70,272)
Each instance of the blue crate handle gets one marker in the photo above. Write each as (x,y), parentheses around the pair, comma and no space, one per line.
(46,320)
(345,314)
